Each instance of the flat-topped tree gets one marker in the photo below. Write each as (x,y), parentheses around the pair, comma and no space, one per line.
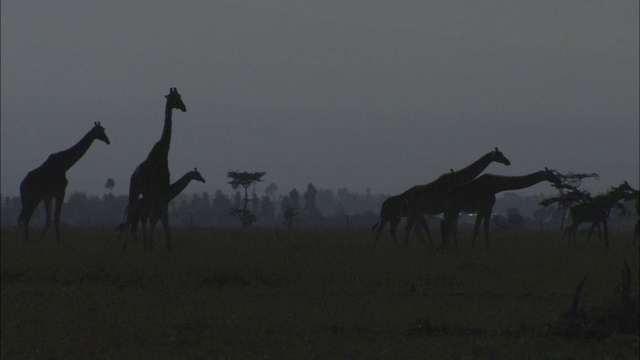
(49,181)
(244,180)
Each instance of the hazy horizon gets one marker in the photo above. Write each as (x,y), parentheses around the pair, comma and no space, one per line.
(359,94)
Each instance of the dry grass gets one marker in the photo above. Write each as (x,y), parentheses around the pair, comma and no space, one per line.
(303,294)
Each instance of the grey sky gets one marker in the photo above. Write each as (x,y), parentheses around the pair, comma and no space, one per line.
(380,94)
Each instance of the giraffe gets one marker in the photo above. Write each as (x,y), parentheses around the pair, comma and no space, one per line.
(479,195)
(429,198)
(596,211)
(394,208)
(392,212)
(140,210)
(635,194)
(151,178)
(49,181)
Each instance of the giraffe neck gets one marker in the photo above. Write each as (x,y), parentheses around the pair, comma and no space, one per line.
(67,158)
(466,174)
(165,139)
(607,200)
(176,188)
(504,183)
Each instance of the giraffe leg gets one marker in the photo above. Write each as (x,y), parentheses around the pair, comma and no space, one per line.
(28,208)
(599,232)
(450,223)
(164,218)
(594,226)
(416,229)
(47,222)
(453,230)
(571,232)
(145,236)
(152,228)
(444,232)
(380,228)
(393,226)
(140,213)
(425,226)
(407,229)
(57,213)
(606,234)
(476,229)
(487,224)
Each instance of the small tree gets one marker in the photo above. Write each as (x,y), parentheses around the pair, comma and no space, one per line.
(289,213)
(267,210)
(309,197)
(244,180)
(110,184)
(294,200)
(271,189)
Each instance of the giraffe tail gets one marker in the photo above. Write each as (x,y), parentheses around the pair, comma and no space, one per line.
(123,225)
(375,225)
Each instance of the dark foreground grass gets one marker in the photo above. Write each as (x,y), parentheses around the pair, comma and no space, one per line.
(325,294)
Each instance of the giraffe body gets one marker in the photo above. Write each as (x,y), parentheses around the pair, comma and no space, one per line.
(48,182)
(140,210)
(430,198)
(596,211)
(392,211)
(151,181)
(479,195)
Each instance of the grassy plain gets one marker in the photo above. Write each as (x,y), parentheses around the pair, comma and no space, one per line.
(304,294)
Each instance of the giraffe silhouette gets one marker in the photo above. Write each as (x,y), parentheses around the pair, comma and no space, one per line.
(392,211)
(140,210)
(479,195)
(151,178)
(394,208)
(49,181)
(596,211)
(429,199)
(635,194)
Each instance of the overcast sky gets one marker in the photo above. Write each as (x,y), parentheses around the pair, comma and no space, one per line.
(356,94)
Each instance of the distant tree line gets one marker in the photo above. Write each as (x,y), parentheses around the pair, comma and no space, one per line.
(309,208)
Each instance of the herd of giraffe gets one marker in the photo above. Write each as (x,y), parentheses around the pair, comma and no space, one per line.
(150,192)
(465,191)
(149,188)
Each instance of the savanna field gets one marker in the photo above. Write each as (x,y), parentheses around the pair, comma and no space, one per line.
(313,294)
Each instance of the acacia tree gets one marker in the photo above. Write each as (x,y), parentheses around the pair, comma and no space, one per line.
(569,194)
(244,180)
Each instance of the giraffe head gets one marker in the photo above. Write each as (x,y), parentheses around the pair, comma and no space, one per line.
(175,100)
(550,176)
(196,175)
(624,190)
(498,157)
(98,133)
